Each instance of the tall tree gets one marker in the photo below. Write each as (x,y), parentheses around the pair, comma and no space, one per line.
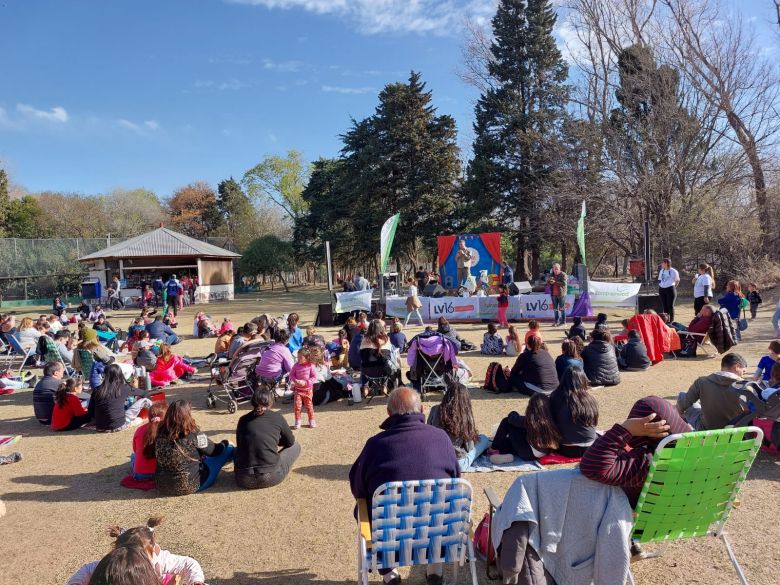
(23,218)
(268,255)
(4,201)
(130,212)
(280,180)
(194,210)
(240,218)
(519,119)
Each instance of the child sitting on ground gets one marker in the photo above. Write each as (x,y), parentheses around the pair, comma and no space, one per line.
(303,375)
(492,344)
(601,322)
(362,321)
(144,458)
(222,345)
(165,565)
(577,329)
(624,332)
(227,325)
(397,337)
(533,329)
(514,345)
(69,413)
(766,363)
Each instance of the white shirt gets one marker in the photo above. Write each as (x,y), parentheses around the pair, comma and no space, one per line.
(412,290)
(703,281)
(667,278)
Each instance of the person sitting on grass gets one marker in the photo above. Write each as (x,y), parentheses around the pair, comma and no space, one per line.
(108,404)
(492,344)
(296,335)
(569,358)
(137,559)
(222,345)
(69,413)
(577,329)
(95,313)
(187,460)
(159,330)
(455,417)
(397,337)
(143,461)
(407,449)
(169,368)
(45,391)
(443,326)
(265,447)
(533,371)
(533,329)
(599,359)
(767,362)
(514,345)
(633,354)
(378,357)
(277,360)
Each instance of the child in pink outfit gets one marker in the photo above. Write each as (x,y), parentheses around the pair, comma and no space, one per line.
(303,376)
(227,325)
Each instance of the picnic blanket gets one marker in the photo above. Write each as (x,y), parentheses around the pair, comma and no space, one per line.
(482,464)
(135,484)
(555,459)
(6,440)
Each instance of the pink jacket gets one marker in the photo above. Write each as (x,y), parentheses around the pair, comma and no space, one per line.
(306,373)
(166,372)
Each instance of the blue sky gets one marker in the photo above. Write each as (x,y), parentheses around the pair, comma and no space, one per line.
(98,94)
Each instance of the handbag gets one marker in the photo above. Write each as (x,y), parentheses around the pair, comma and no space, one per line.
(743,322)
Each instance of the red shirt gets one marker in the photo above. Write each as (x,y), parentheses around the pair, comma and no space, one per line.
(62,415)
(141,463)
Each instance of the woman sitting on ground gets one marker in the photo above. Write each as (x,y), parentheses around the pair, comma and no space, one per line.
(169,368)
(69,413)
(101,357)
(455,417)
(569,358)
(57,306)
(137,559)
(187,460)
(444,327)
(95,313)
(492,344)
(326,388)
(378,357)
(277,360)
(514,343)
(108,404)
(534,371)
(599,359)
(265,446)
(633,354)
(563,422)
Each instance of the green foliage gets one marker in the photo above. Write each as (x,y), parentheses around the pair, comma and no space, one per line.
(268,255)
(239,217)
(519,127)
(23,217)
(194,210)
(280,180)
(4,201)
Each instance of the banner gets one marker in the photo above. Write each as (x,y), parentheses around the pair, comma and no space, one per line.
(613,294)
(386,240)
(539,305)
(454,308)
(347,302)
(581,233)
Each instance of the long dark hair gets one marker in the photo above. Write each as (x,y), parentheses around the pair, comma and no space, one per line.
(456,417)
(156,415)
(139,537)
(113,384)
(376,333)
(66,387)
(574,388)
(543,435)
(178,421)
(125,566)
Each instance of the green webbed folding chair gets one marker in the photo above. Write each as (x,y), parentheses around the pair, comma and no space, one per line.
(692,484)
(53,355)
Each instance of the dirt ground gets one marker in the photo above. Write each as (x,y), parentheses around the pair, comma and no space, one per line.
(65,492)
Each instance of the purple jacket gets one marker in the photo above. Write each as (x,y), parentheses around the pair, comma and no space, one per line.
(407,449)
(432,345)
(275,360)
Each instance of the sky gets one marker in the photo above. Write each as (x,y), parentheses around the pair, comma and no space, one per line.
(98,94)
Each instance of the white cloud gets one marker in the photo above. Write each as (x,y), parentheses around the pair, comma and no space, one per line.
(230,85)
(392,16)
(152,125)
(347,90)
(56,114)
(282,66)
(148,125)
(129,125)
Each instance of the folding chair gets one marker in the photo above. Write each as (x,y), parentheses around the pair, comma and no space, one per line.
(704,343)
(19,352)
(692,484)
(87,364)
(53,355)
(376,386)
(416,523)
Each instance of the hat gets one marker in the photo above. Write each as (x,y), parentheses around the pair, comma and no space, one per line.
(88,334)
(664,411)
(634,334)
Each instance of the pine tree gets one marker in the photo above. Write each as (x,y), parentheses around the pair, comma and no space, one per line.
(4,202)
(518,128)
(239,216)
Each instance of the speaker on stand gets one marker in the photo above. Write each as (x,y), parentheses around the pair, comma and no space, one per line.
(434,290)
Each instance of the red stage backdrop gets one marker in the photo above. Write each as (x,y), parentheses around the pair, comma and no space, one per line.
(486,249)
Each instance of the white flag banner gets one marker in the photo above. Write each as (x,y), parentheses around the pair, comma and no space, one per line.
(347,302)
(613,294)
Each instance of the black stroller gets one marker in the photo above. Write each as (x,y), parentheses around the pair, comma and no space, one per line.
(234,381)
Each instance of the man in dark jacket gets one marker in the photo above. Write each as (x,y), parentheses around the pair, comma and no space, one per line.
(406,450)
(633,355)
(599,359)
(558,283)
(159,330)
(710,402)
(45,389)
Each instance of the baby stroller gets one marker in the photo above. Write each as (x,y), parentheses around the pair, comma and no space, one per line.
(234,381)
(432,357)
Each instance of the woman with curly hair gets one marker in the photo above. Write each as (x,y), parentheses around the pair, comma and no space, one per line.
(455,417)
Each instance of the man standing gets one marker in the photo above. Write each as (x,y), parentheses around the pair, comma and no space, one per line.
(508,275)
(157,286)
(558,282)
(463,261)
(406,450)
(422,279)
(710,402)
(174,289)
(360,282)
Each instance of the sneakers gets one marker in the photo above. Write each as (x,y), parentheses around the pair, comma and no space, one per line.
(297,425)
(312,424)
(638,554)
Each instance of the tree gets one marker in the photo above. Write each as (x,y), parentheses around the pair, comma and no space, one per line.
(4,201)
(239,217)
(72,215)
(130,212)
(194,210)
(519,120)
(23,218)
(280,180)
(270,256)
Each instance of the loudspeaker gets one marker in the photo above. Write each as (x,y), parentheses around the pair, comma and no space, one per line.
(513,290)
(324,315)
(434,290)
(649,302)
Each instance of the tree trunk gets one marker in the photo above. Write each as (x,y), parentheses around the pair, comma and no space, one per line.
(521,266)
(564,253)
(284,282)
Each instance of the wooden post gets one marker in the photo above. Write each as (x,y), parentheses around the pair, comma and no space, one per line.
(25,289)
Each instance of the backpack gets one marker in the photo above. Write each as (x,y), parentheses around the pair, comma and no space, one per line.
(490,377)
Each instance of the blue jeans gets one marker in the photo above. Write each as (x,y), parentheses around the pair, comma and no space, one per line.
(559,308)
(482,445)
(138,476)
(776,320)
(214,465)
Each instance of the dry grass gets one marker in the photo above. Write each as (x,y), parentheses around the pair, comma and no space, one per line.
(66,491)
